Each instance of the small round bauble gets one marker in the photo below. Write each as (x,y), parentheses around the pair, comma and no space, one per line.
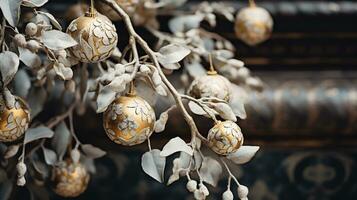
(211,85)
(96,36)
(253,25)
(13,122)
(129,120)
(70,179)
(225,138)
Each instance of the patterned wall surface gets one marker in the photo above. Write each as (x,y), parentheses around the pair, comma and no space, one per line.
(272,175)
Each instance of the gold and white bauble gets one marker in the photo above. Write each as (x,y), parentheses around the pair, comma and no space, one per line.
(225,137)
(211,85)
(129,120)
(253,25)
(70,179)
(15,121)
(96,36)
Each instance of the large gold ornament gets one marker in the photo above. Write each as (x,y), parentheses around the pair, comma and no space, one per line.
(96,36)
(129,120)
(136,9)
(13,122)
(225,138)
(211,85)
(70,179)
(253,25)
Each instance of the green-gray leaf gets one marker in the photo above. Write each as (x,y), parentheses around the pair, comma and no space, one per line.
(8,66)
(57,40)
(11,10)
(40,132)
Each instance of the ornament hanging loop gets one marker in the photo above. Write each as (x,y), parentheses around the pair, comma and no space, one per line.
(91,12)
(131,91)
(252,3)
(211,71)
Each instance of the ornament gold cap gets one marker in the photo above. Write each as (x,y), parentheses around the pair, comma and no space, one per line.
(91,12)
(211,71)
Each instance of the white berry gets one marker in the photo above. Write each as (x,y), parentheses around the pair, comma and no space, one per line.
(203,189)
(191,185)
(20,40)
(31,29)
(21,181)
(33,45)
(228,195)
(243,191)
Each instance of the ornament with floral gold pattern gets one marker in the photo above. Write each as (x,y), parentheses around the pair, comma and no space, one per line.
(225,137)
(13,121)
(70,179)
(129,120)
(211,85)
(253,24)
(96,36)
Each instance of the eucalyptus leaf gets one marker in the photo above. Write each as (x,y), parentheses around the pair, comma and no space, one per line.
(57,40)
(225,111)
(195,69)
(154,165)
(29,58)
(11,10)
(105,98)
(8,66)
(195,108)
(34,3)
(176,145)
(22,83)
(173,3)
(161,122)
(52,19)
(210,171)
(185,23)
(172,53)
(243,155)
(61,139)
(40,132)
(92,151)
(36,100)
(50,156)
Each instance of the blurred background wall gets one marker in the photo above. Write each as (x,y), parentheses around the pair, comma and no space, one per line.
(305,120)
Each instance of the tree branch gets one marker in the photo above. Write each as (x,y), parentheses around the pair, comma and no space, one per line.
(152,55)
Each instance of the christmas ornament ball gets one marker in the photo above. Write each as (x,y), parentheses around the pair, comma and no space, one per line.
(253,25)
(211,85)
(13,121)
(129,120)
(96,36)
(225,138)
(70,179)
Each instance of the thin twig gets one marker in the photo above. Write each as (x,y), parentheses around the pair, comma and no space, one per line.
(152,55)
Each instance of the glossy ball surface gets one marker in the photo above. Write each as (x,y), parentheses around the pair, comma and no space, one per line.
(70,179)
(225,138)
(253,25)
(211,86)
(129,120)
(96,36)
(13,122)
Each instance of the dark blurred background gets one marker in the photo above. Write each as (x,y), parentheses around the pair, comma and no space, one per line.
(305,121)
